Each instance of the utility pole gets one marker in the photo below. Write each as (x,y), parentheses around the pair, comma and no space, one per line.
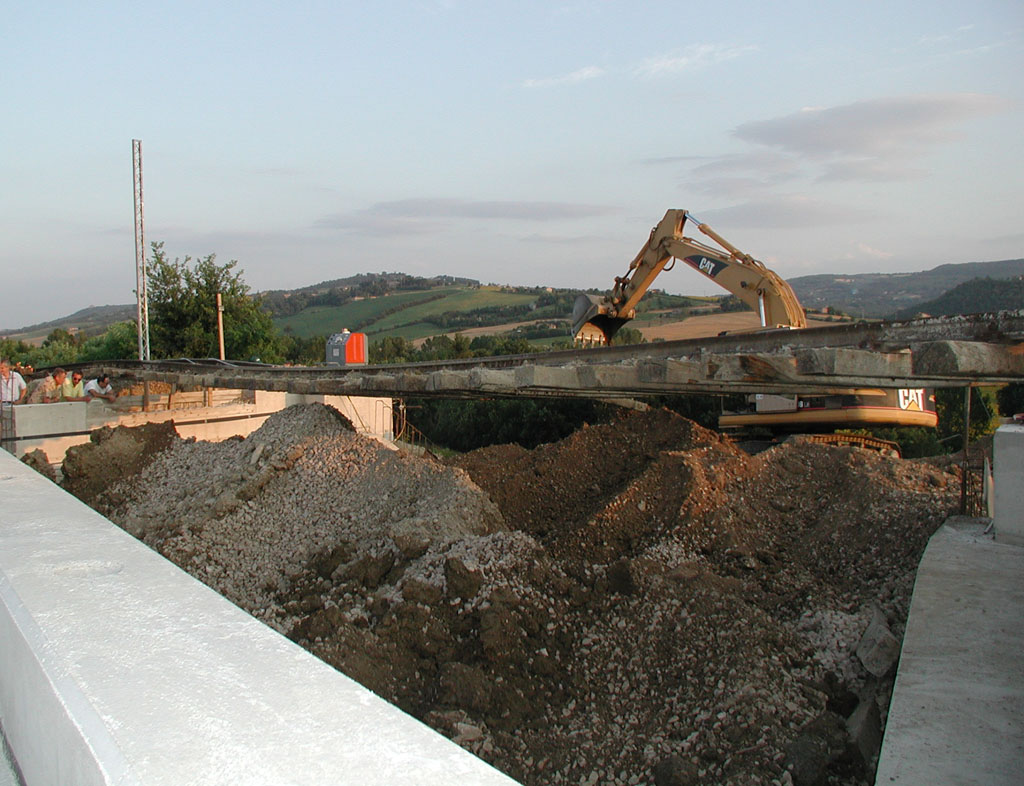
(965,464)
(140,254)
(220,324)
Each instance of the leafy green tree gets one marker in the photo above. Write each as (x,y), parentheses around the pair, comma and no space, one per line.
(17,351)
(626,336)
(183,311)
(914,441)
(949,402)
(54,353)
(466,425)
(732,303)
(119,342)
(701,408)
(392,349)
(917,442)
(1011,399)
(61,336)
(437,348)
(303,351)
(492,346)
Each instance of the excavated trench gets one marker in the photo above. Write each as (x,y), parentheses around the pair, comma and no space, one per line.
(640,603)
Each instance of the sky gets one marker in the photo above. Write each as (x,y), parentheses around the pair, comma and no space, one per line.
(527,143)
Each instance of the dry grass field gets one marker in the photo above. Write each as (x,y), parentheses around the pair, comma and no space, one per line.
(694,327)
(707,325)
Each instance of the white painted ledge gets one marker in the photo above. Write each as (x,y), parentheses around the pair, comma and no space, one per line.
(1008,460)
(116,667)
(957,710)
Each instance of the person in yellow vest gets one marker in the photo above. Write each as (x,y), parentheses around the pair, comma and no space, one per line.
(71,389)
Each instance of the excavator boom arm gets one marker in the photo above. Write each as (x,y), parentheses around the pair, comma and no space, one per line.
(597,319)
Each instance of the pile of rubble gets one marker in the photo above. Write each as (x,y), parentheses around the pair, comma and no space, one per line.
(640,603)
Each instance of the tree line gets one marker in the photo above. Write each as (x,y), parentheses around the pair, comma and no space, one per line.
(343,291)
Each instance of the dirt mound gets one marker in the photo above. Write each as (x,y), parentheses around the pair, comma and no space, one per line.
(247,514)
(638,603)
(561,485)
(40,463)
(113,455)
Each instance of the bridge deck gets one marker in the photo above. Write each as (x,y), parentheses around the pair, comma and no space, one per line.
(957,711)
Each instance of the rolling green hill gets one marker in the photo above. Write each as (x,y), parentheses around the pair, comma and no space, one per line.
(91,321)
(396,304)
(414,314)
(884,295)
(354,315)
(973,297)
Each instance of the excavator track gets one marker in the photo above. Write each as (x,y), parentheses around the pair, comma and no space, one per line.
(884,446)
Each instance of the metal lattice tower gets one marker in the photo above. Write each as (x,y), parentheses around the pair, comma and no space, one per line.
(140,254)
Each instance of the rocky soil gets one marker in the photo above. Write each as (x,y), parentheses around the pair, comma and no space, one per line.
(640,603)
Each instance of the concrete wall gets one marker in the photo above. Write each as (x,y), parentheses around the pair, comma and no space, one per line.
(1008,461)
(53,428)
(370,415)
(118,668)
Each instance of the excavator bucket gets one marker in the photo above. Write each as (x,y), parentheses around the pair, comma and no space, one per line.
(591,323)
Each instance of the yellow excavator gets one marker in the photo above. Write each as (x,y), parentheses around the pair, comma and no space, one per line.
(596,319)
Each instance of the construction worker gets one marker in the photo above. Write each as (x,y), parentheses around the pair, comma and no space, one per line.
(48,389)
(12,384)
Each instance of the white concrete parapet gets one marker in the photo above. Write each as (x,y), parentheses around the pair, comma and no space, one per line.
(1008,458)
(116,667)
(957,709)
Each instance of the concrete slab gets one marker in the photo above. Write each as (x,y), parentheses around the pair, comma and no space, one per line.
(1009,501)
(957,711)
(7,775)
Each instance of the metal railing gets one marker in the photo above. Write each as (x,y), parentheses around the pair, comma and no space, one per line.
(974,489)
(7,436)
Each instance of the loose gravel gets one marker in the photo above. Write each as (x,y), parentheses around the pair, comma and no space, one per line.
(640,603)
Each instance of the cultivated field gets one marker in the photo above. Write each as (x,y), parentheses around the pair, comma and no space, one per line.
(407,314)
(693,327)
(706,325)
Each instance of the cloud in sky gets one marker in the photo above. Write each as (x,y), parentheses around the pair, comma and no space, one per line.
(765,162)
(735,175)
(579,75)
(875,170)
(873,141)
(741,175)
(864,250)
(786,212)
(427,214)
(692,58)
(873,138)
(659,160)
(943,39)
(1014,238)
